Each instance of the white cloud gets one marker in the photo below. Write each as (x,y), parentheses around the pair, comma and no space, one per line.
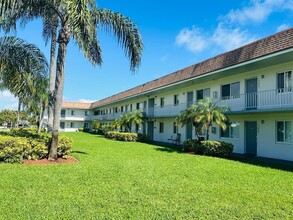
(257,11)
(229,38)
(193,39)
(282,27)
(12,106)
(231,32)
(164,57)
(7,96)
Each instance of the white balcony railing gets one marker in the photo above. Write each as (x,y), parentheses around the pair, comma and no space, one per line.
(264,100)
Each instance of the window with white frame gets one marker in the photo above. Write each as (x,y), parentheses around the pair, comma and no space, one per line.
(72,124)
(86,125)
(86,113)
(230,91)
(176,100)
(161,127)
(162,102)
(283,131)
(72,112)
(203,93)
(232,130)
(284,81)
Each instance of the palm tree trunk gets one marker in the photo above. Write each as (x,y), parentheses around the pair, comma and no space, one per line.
(42,112)
(18,113)
(52,77)
(63,40)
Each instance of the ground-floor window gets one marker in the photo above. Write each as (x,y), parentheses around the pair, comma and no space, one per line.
(72,124)
(86,125)
(232,130)
(161,128)
(62,125)
(283,130)
(175,128)
(136,128)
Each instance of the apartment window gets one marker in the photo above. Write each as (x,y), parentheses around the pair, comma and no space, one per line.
(116,109)
(176,99)
(232,130)
(72,112)
(137,105)
(283,131)
(130,107)
(203,93)
(72,124)
(126,108)
(98,112)
(161,127)
(175,128)
(136,128)
(86,125)
(86,113)
(63,113)
(231,91)
(62,125)
(162,102)
(284,82)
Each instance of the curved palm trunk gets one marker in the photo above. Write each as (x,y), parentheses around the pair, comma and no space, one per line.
(52,77)
(63,40)
(42,112)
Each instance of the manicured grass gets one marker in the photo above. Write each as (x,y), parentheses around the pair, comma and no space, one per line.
(118,180)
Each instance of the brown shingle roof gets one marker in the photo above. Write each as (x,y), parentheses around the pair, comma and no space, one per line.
(272,44)
(76,105)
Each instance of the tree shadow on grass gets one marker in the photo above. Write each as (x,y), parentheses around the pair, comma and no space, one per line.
(247,159)
(79,152)
(166,147)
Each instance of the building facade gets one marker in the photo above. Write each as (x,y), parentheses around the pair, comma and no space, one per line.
(254,81)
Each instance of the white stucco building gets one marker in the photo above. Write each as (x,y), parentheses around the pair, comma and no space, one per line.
(255,81)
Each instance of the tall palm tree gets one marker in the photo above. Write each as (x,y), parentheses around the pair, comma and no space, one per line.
(79,20)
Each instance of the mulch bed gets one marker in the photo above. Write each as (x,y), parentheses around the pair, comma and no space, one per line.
(47,162)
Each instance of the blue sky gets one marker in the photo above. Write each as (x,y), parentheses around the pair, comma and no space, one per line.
(176,34)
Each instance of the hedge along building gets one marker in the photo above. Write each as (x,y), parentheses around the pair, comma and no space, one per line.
(254,81)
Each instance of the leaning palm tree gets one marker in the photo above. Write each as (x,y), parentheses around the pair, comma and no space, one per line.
(210,113)
(79,20)
(50,25)
(21,64)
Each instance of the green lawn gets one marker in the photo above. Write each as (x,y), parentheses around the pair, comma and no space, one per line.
(118,180)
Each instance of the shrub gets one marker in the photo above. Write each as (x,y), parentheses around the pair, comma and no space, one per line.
(30,146)
(216,148)
(142,138)
(209,148)
(121,136)
(64,146)
(15,149)
(80,129)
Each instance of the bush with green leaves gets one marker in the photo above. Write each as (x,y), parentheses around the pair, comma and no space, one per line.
(209,148)
(125,136)
(31,146)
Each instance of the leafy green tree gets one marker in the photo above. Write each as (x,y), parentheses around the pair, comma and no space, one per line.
(8,116)
(95,125)
(78,20)
(203,116)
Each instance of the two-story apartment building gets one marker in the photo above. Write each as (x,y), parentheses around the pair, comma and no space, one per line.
(254,81)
